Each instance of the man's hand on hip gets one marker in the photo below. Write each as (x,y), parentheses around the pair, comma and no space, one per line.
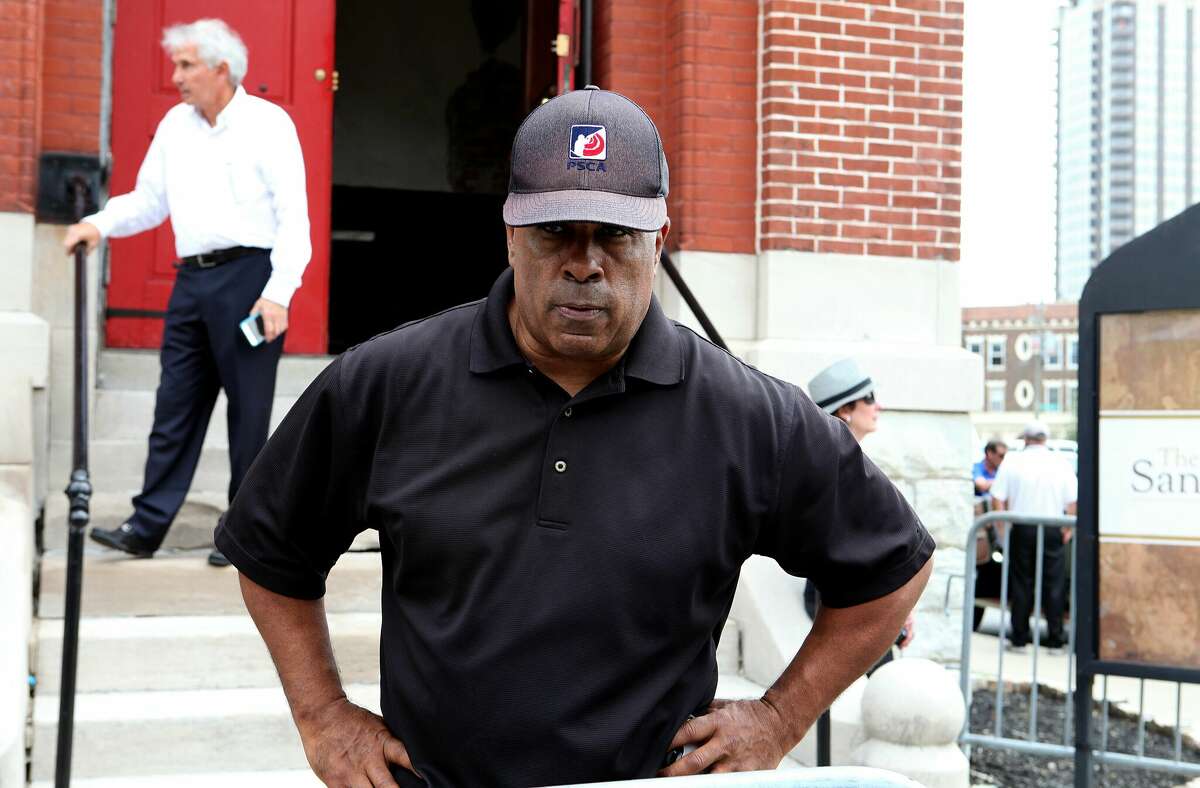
(81,233)
(348,745)
(274,318)
(734,736)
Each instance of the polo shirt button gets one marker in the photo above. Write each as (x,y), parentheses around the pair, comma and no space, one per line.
(567,413)
(560,466)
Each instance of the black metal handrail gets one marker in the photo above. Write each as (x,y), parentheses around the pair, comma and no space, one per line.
(79,494)
(692,303)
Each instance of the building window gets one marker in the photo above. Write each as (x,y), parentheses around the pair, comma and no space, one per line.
(995,354)
(1023,394)
(975,345)
(1072,396)
(1073,351)
(1023,347)
(1052,401)
(995,396)
(1052,356)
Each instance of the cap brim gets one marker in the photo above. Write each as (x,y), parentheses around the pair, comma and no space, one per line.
(584,205)
(858,392)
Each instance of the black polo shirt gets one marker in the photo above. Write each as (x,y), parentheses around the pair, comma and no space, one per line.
(557,569)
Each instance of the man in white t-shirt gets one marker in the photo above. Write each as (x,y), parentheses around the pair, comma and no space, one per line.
(1036,481)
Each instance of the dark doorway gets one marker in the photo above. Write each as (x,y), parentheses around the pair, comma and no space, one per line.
(430,96)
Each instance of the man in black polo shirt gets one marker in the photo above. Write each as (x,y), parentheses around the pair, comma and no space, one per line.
(565,485)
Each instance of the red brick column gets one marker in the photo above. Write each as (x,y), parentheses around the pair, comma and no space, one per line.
(18,103)
(691,65)
(73,57)
(862,121)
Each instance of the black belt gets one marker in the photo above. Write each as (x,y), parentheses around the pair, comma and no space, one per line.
(218,256)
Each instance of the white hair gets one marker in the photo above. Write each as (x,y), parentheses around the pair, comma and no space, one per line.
(216,43)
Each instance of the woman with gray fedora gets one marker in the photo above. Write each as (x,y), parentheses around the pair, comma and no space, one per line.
(844,392)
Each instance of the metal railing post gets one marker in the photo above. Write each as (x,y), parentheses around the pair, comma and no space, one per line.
(685,291)
(79,493)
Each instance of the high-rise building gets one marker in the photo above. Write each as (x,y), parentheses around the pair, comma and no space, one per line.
(1128,151)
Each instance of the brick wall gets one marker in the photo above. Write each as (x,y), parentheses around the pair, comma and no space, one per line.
(18,103)
(50,79)
(691,65)
(862,120)
(71,72)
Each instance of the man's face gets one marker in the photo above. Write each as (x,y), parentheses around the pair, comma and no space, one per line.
(582,289)
(995,457)
(198,84)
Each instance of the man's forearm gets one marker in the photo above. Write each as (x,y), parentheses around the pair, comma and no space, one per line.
(843,644)
(297,635)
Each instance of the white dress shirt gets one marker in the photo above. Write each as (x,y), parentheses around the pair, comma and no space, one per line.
(237,183)
(1035,481)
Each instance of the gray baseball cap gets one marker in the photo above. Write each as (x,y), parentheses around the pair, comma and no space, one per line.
(590,155)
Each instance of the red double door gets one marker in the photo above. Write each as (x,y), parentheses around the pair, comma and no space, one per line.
(291,45)
(291,63)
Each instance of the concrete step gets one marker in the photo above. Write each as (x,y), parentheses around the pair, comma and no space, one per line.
(128,415)
(119,466)
(130,734)
(130,654)
(139,370)
(121,734)
(192,529)
(183,584)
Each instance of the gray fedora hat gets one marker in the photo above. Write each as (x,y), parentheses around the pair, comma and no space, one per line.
(590,155)
(838,384)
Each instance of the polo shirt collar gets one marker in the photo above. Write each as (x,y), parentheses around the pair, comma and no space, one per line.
(654,355)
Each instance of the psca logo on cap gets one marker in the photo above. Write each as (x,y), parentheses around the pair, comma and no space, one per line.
(588,144)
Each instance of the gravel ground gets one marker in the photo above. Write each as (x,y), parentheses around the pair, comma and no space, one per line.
(1012,769)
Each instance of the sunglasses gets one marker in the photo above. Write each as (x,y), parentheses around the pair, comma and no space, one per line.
(869,399)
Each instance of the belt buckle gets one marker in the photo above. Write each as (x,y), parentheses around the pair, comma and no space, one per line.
(201,263)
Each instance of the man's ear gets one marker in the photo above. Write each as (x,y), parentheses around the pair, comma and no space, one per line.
(509,234)
(660,239)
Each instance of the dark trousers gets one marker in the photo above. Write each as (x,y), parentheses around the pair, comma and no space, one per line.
(1022,572)
(204,351)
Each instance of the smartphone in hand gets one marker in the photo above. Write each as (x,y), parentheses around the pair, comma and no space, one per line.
(252,329)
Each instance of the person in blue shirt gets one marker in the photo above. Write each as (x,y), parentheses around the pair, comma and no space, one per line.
(984,471)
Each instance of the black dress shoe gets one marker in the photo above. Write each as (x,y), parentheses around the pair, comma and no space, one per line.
(217,558)
(125,539)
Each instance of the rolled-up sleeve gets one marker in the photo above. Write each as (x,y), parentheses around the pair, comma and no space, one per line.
(839,520)
(300,505)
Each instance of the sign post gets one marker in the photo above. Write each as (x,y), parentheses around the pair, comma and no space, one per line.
(1138,567)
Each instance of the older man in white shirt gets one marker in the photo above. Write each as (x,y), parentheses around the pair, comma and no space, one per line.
(1036,481)
(227,168)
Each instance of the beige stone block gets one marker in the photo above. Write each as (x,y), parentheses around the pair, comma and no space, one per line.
(908,377)
(16,427)
(62,380)
(726,287)
(53,283)
(25,348)
(946,507)
(915,446)
(869,299)
(16,262)
(16,525)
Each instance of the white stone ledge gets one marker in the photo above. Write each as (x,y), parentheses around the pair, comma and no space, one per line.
(907,377)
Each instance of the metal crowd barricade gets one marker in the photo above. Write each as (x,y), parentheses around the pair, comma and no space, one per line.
(1031,744)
